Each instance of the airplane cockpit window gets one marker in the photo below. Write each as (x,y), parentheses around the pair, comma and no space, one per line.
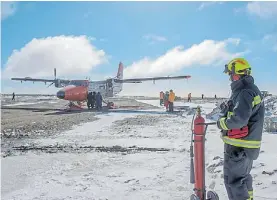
(78,83)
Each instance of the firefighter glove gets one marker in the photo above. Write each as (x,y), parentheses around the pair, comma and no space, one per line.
(221,123)
(223,106)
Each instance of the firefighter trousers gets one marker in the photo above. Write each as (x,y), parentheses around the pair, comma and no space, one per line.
(236,171)
(161,102)
(170,105)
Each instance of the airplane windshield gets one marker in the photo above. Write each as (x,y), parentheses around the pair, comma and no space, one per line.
(78,83)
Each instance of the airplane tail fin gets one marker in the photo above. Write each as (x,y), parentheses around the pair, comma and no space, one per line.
(120,71)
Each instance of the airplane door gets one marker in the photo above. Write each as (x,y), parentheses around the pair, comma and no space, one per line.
(109,88)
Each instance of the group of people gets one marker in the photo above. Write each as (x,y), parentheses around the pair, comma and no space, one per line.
(94,99)
(167,99)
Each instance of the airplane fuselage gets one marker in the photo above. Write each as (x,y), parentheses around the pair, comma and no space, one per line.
(77,90)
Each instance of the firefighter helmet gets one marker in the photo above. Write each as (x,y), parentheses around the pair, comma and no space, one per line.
(238,66)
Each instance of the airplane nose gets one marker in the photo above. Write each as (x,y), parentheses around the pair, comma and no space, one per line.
(61,94)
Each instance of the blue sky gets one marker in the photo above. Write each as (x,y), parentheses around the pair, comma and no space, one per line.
(133,31)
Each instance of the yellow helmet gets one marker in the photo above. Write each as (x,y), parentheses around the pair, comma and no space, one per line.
(238,66)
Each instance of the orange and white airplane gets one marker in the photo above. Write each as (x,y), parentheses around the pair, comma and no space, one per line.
(77,90)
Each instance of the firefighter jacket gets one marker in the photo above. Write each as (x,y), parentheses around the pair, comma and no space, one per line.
(171,97)
(166,96)
(247,110)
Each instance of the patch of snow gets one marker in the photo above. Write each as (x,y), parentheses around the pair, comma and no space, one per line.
(21,103)
(135,175)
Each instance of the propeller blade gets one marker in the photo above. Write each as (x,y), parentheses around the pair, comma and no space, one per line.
(50,84)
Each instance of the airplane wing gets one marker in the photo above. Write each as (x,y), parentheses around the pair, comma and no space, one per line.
(40,80)
(63,81)
(34,80)
(140,80)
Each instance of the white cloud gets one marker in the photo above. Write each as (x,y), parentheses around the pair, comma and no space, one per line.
(91,38)
(270,40)
(267,37)
(208,52)
(71,55)
(8,9)
(154,38)
(262,9)
(103,39)
(87,14)
(206,4)
(239,10)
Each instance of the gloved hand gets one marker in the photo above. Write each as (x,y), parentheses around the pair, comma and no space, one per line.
(218,124)
(224,109)
(223,106)
(221,123)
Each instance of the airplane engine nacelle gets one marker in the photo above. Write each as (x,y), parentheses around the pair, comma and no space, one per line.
(58,83)
(76,93)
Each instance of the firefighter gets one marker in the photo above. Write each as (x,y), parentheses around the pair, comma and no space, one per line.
(189,97)
(13,98)
(99,100)
(241,124)
(171,99)
(89,102)
(166,96)
(161,98)
(93,99)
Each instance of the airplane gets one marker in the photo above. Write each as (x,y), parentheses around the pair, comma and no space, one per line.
(77,90)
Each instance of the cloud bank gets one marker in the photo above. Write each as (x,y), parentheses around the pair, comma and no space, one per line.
(71,55)
(264,10)
(8,9)
(207,53)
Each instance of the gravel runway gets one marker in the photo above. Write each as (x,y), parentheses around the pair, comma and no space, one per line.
(34,117)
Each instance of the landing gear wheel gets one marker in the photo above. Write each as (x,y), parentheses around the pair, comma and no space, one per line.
(110,105)
(194,197)
(211,195)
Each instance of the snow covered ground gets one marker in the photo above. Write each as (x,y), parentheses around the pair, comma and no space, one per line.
(126,156)
(27,100)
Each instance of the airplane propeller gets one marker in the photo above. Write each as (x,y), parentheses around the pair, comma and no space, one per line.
(55,75)
(50,84)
